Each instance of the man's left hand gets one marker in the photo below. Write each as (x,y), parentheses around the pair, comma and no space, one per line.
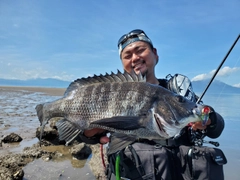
(199,125)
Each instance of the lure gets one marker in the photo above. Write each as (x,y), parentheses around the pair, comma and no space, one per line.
(205,115)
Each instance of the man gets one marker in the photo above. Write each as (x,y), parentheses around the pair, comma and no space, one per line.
(137,53)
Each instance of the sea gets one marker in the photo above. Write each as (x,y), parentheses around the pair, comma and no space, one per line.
(17,114)
(228,105)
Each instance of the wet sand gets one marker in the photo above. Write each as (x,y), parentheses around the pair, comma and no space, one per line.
(18,115)
(48,91)
(18,112)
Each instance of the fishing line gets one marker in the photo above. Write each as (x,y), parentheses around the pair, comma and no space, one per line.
(214,75)
(235,65)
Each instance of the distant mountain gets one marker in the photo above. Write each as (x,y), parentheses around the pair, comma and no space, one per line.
(215,87)
(49,82)
(198,86)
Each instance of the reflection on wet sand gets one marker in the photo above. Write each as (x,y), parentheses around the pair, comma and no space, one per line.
(16,147)
(62,166)
(18,115)
(39,169)
(65,154)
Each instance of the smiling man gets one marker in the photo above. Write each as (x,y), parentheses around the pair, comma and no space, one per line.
(147,159)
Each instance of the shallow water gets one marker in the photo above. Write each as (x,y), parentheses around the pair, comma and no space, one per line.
(61,170)
(228,106)
(17,114)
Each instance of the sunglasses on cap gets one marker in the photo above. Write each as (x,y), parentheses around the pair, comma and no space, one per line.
(132,36)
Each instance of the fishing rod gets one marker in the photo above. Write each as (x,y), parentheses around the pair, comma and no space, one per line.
(224,59)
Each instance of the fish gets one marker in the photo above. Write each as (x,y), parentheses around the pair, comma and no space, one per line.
(123,103)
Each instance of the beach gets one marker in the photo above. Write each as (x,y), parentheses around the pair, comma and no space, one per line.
(18,110)
(47,91)
(18,115)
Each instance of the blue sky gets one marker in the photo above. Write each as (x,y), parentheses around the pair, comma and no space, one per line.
(72,39)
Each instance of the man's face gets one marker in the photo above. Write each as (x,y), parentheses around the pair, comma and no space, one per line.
(140,57)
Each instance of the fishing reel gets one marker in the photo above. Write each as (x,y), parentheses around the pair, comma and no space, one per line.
(197,138)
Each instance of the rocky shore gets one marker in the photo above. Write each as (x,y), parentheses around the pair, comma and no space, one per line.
(18,124)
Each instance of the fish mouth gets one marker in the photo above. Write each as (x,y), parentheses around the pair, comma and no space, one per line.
(198,109)
(170,128)
(160,125)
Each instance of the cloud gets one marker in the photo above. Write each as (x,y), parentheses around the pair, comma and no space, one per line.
(237,85)
(224,72)
(203,76)
(227,71)
(41,73)
(64,76)
(32,72)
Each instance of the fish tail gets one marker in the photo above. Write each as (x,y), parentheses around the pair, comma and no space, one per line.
(39,109)
(41,133)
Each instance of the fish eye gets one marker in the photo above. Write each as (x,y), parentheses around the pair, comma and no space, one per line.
(181,99)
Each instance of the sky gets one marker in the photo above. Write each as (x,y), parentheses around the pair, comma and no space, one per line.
(76,38)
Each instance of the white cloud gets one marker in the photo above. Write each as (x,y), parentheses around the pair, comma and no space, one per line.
(24,73)
(41,73)
(64,76)
(203,76)
(237,85)
(225,71)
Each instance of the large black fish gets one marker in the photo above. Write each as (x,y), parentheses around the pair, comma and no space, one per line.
(123,103)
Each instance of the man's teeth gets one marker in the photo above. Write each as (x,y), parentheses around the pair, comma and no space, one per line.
(138,65)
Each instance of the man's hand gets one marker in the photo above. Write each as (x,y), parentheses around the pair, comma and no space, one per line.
(95,131)
(105,139)
(198,125)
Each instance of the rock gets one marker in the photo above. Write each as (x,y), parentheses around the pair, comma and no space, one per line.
(18,175)
(5,173)
(80,151)
(53,122)
(12,138)
(11,164)
(49,135)
(96,163)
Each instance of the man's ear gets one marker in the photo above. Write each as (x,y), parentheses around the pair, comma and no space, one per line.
(155,52)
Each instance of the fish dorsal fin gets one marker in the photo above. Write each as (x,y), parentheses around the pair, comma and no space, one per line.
(118,77)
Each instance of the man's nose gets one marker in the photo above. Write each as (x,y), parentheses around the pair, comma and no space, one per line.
(135,57)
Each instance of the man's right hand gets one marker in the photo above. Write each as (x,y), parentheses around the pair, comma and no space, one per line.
(92,132)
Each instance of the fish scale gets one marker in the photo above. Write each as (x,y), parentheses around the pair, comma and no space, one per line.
(123,103)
